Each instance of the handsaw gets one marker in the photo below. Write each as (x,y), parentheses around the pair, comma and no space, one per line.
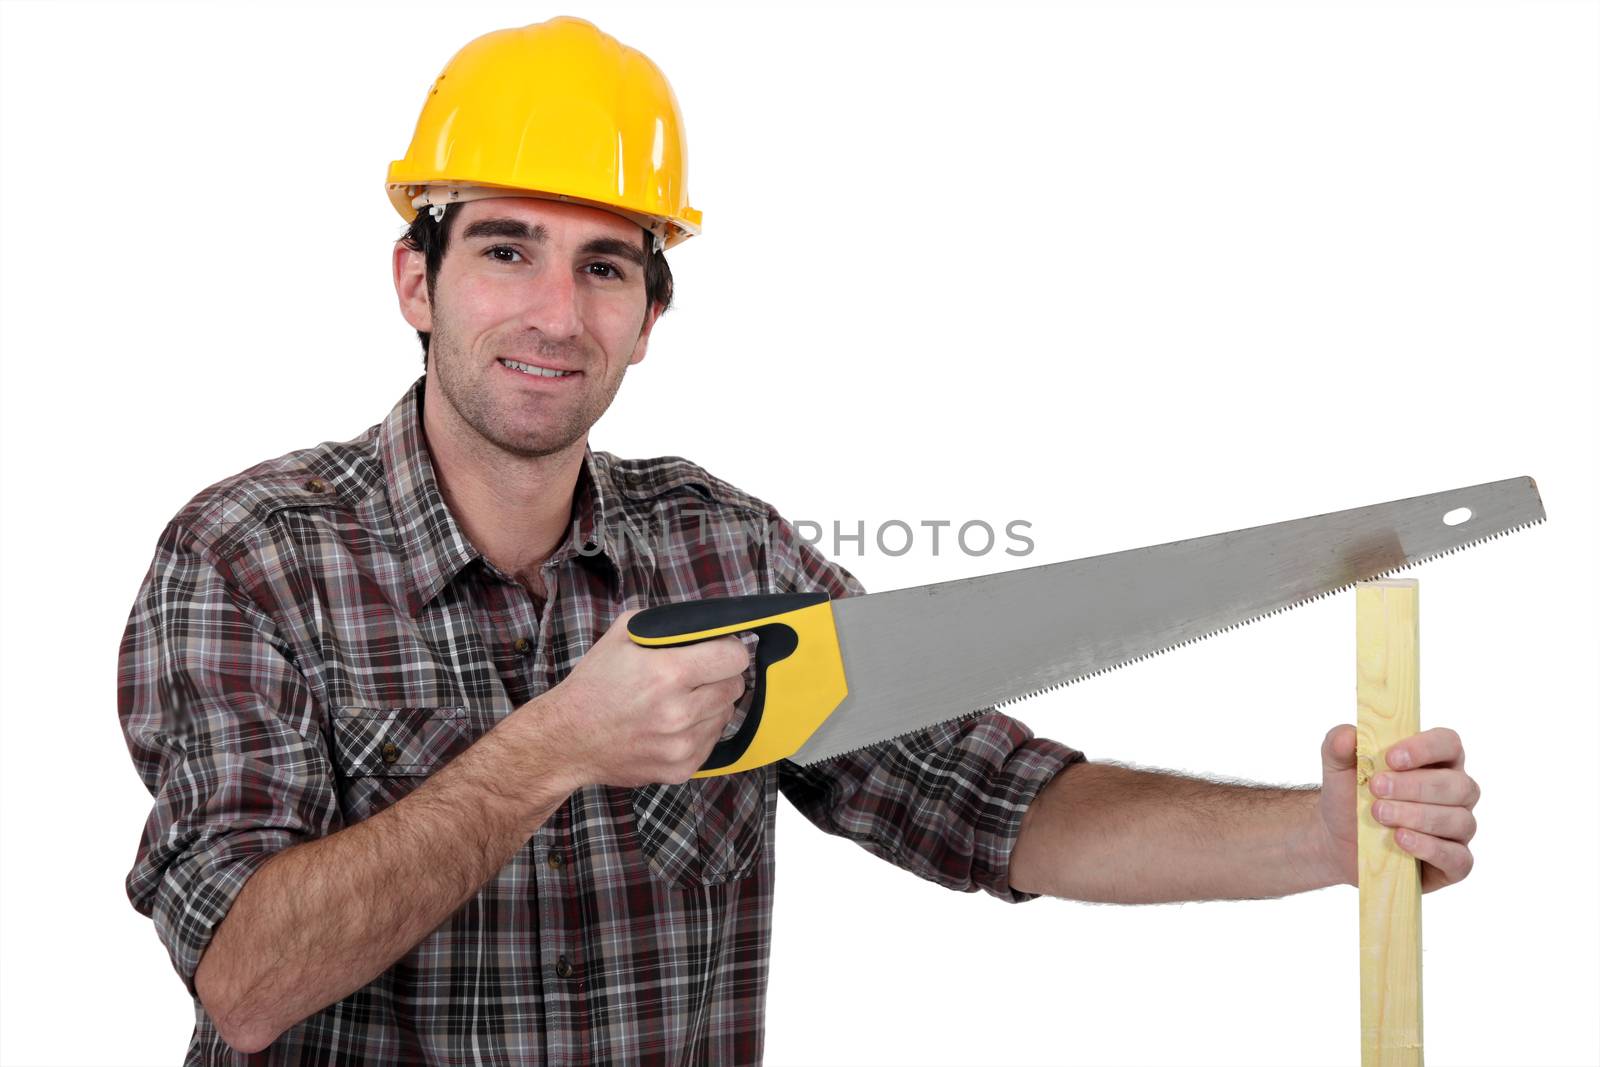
(833,676)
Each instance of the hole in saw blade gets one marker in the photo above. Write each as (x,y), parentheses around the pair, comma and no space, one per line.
(1457,517)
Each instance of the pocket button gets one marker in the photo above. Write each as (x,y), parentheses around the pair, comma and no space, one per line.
(382,753)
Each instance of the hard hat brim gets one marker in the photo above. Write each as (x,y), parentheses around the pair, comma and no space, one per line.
(410,198)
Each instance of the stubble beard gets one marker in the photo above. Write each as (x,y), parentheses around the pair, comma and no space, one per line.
(483,404)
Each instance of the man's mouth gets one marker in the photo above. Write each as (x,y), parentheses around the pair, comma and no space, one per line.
(535,371)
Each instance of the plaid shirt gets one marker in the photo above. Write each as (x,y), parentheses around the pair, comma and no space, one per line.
(316,636)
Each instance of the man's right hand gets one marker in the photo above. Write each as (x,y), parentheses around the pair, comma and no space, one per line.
(631,716)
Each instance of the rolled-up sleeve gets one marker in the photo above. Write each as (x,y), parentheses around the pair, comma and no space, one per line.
(945,803)
(224,731)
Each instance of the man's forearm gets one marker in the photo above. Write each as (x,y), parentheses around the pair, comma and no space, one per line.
(322,919)
(1101,832)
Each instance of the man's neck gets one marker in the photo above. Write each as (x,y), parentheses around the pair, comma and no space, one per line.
(514,509)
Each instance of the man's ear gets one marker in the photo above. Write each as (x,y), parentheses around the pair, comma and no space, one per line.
(650,318)
(411,286)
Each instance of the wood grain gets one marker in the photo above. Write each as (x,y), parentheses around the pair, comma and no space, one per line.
(1388,694)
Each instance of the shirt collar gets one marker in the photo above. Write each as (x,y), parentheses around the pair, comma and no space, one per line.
(435,547)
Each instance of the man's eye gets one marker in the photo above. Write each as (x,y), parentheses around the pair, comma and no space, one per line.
(609,270)
(502,248)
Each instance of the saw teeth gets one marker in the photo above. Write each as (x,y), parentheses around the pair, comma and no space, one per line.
(1138,659)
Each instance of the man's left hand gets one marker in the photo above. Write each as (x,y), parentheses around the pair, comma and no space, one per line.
(1428,804)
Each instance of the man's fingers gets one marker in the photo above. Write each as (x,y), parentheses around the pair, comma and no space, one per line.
(714,660)
(721,695)
(716,700)
(1437,820)
(703,661)
(1450,861)
(1438,747)
(1339,749)
(1431,786)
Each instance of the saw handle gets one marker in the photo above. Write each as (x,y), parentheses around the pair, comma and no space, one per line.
(799,670)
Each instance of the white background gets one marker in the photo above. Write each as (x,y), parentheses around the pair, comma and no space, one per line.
(1131,272)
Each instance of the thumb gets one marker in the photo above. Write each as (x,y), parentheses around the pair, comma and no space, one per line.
(619,625)
(1339,750)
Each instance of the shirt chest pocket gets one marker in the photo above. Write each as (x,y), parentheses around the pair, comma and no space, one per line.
(707,830)
(383,753)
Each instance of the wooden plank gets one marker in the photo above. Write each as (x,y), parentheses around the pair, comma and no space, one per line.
(1388,695)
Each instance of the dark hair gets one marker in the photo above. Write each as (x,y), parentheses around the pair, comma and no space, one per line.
(431,237)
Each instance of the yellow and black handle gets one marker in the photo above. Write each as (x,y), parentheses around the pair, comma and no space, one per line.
(799,671)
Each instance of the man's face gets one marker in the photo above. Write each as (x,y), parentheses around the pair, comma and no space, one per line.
(551,286)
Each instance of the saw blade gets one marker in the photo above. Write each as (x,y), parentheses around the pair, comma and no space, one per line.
(918,657)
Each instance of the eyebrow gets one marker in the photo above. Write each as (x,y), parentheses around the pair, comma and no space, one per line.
(631,251)
(504,228)
(516,229)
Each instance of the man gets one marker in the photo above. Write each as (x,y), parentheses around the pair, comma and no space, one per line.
(419,799)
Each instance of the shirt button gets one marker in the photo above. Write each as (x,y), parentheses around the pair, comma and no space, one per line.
(391,752)
(563,968)
(522,645)
(553,861)
(317,485)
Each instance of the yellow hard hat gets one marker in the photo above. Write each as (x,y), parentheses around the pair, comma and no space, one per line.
(558,110)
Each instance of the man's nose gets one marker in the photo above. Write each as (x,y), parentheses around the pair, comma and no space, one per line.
(553,304)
